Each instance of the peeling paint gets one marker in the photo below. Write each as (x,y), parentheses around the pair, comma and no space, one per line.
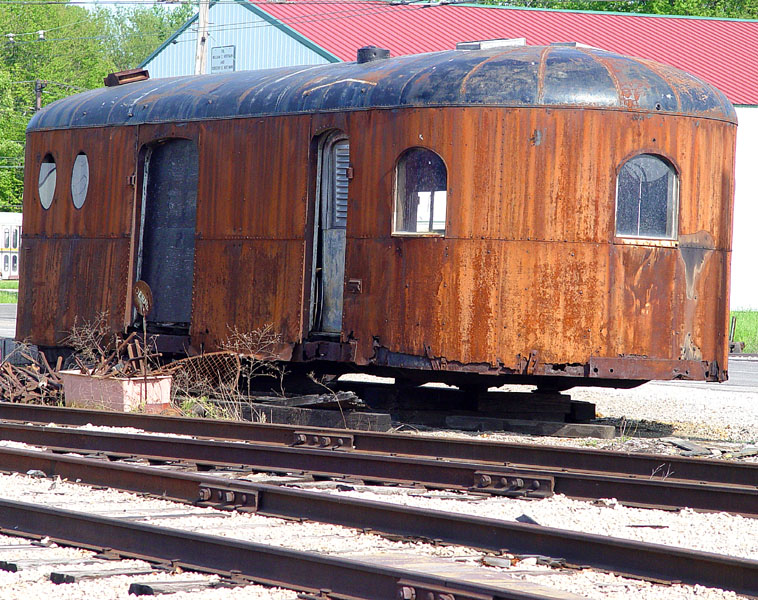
(694,250)
(689,350)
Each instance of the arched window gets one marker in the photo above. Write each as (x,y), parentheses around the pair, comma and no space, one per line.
(647,198)
(421,192)
(14,263)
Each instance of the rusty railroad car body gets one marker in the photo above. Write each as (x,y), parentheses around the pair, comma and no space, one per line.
(555,215)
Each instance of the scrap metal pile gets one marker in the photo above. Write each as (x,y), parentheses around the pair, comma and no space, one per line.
(30,377)
(35,381)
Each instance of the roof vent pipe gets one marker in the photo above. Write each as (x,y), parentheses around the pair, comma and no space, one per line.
(371,53)
(122,77)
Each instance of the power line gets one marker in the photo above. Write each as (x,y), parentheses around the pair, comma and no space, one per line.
(48,82)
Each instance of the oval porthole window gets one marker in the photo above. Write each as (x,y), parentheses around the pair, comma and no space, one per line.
(80,180)
(47,178)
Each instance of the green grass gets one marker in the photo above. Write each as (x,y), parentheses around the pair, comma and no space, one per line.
(747,329)
(9,284)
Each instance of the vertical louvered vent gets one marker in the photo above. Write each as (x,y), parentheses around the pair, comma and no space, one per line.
(341,166)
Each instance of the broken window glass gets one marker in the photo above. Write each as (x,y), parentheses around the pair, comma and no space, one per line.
(647,198)
(80,180)
(46,182)
(421,195)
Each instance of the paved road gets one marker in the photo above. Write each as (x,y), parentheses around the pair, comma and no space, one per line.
(743,377)
(8,320)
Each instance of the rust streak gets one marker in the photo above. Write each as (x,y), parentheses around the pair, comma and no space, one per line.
(541,74)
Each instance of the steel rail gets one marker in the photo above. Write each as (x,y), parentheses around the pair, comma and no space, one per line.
(669,492)
(625,557)
(432,473)
(344,579)
(641,465)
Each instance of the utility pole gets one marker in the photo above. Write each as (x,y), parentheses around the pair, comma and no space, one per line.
(39,85)
(202,37)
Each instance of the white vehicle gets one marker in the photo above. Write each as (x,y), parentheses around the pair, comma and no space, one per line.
(10,242)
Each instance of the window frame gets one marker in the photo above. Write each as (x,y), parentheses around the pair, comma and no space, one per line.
(396,197)
(649,240)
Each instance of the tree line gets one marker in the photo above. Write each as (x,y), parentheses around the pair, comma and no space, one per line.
(52,50)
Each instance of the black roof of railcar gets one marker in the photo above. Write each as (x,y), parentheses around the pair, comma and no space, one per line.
(556,75)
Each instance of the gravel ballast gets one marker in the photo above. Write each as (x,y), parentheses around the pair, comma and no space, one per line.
(723,420)
(737,536)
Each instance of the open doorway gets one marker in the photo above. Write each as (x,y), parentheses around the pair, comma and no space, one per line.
(166,259)
(332,192)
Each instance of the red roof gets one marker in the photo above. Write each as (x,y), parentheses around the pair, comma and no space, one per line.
(723,52)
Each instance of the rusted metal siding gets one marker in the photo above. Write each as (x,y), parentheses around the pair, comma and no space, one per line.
(528,278)
(528,262)
(76,262)
(106,212)
(251,234)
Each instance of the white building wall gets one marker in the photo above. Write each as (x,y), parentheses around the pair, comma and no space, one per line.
(257,44)
(744,292)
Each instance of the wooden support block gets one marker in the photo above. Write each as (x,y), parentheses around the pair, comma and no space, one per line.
(155,588)
(14,566)
(74,576)
(24,547)
(308,417)
(555,429)
(690,448)
(581,411)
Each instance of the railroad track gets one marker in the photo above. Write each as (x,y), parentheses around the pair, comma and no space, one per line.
(643,465)
(654,481)
(638,559)
(321,577)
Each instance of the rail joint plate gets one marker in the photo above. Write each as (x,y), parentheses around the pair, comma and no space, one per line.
(517,484)
(312,439)
(227,497)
